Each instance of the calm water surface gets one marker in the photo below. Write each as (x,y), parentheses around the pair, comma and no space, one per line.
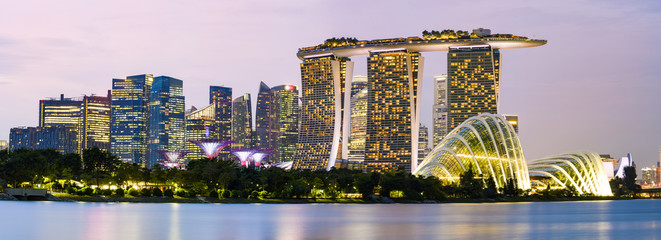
(634,219)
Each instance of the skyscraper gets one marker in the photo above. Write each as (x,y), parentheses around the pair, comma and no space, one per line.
(321,134)
(59,112)
(94,128)
(393,110)
(285,109)
(130,118)
(358,119)
(473,82)
(242,122)
(199,126)
(440,113)
(167,125)
(423,143)
(264,124)
(62,138)
(513,120)
(221,97)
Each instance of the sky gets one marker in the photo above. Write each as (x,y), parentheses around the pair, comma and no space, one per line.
(594,87)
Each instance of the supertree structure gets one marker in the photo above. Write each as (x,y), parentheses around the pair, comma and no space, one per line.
(211,147)
(172,159)
(251,157)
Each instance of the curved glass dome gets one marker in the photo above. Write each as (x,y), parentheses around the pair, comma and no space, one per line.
(584,171)
(488,143)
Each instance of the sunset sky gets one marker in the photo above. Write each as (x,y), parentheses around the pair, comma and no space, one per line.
(595,86)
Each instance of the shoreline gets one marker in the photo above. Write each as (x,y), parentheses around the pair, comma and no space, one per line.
(65,197)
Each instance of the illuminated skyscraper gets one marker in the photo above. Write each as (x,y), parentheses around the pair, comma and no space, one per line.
(473,82)
(423,143)
(59,112)
(94,128)
(393,110)
(242,122)
(129,137)
(221,97)
(358,119)
(285,109)
(167,125)
(199,126)
(440,113)
(320,140)
(264,124)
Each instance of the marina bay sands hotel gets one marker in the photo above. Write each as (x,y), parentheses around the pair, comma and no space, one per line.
(394,69)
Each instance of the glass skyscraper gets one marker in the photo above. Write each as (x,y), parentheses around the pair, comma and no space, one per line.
(130,118)
(440,113)
(167,125)
(264,124)
(358,119)
(59,112)
(242,122)
(285,110)
(221,97)
(22,137)
(199,126)
(393,110)
(473,82)
(94,128)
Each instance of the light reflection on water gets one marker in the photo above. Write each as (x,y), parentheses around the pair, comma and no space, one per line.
(634,219)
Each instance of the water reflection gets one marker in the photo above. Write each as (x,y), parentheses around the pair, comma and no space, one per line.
(601,219)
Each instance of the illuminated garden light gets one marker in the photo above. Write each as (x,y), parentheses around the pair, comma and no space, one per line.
(211,148)
(243,155)
(251,157)
(259,156)
(172,159)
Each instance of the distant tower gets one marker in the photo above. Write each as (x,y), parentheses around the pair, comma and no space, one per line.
(473,82)
(199,126)
(263,119)
(95,118)
(221,97)
(167,125)
(129,136)
(423,143)
(285,115)
(393,110)
(440,113)
(242,122)
(358,119)
(513,120)
(59,122)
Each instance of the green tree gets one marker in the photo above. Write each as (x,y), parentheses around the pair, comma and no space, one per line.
(99,163)
(471,186)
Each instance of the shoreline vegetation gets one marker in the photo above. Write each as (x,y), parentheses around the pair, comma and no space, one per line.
(98,176)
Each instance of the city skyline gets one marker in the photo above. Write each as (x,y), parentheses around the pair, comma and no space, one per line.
(571,93)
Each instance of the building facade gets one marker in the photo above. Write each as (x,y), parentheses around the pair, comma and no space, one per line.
(22,137)
(199,126)
(358,119)
(323,86)
(95,118)
(167,125)
(264,124)
(64,139)
(285,116)
(473,82)
(423,142)
(393,110)
(440,111)
(242,122)
(221,97)
(129,136)
(59,112)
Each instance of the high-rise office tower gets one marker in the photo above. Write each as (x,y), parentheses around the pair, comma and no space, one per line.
(94,128)
(22,137)
(285,109)
(323,131)
(358,119)
(473,82)
(264,124)
(242,122)
(59,112)
(199,126)
(129,136)
(393,110)
(167,126)
(513,120)
(221,97)
(423,143)
(440,113)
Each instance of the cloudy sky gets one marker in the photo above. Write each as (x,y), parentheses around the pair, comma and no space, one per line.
(595,86)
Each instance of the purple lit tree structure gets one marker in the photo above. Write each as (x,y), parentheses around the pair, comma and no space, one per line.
(210,147)
(251,157)
(172,159)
